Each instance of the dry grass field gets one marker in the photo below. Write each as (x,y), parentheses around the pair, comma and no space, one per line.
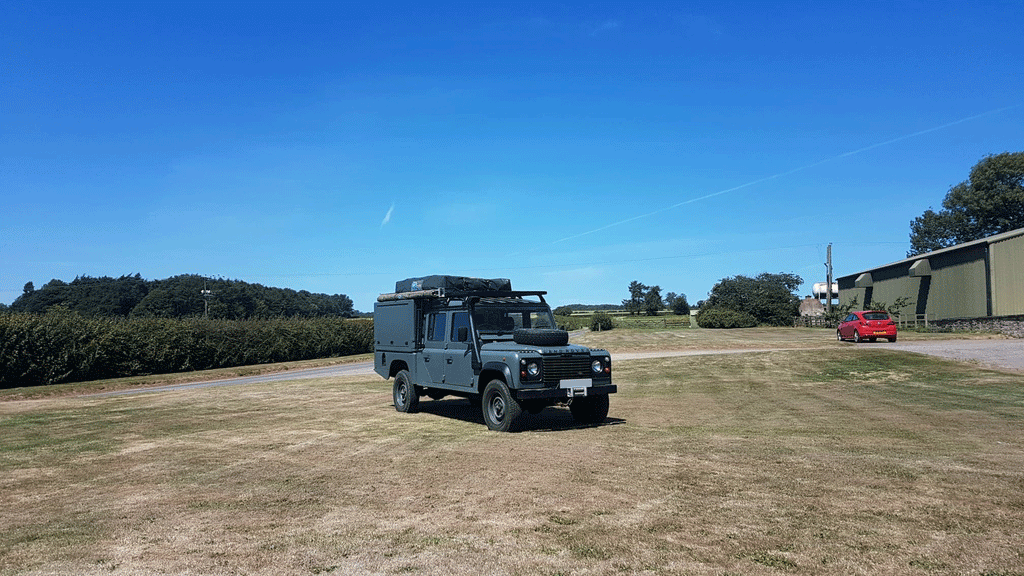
(835,460)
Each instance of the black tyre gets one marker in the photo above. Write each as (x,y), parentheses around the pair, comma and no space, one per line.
(839,336)
(502,412)
(893,339)
(856,337)
(540,336)
(407,398)
(590,409)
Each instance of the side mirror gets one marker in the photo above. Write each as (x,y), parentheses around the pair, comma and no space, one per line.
(463,333)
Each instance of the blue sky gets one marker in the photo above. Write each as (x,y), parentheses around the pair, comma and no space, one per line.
(338,147)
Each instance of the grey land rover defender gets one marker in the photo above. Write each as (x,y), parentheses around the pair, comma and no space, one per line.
(477,338)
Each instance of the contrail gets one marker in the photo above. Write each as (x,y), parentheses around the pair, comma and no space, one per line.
(387,217)
(788,172)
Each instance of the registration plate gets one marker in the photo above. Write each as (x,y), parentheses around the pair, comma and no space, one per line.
(576,383)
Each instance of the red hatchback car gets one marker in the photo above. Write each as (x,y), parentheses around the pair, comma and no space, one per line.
(867,325)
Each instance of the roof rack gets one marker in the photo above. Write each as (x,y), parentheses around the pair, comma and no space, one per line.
(455,294)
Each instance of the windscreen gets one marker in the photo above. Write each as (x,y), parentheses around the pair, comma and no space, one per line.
(506,319)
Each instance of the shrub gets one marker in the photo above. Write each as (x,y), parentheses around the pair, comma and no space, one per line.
(723,318)
(601,321)
(571,323)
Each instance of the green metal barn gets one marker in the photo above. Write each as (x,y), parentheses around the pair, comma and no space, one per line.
(983,278)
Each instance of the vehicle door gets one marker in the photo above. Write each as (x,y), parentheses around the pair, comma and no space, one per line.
(458,355)
(432,359)
(845,328)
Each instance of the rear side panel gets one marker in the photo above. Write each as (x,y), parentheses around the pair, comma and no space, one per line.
(395,326)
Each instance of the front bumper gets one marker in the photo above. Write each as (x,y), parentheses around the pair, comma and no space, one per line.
(545,393)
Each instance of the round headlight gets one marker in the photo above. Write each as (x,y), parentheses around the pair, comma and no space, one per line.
(533,369)
(596,366)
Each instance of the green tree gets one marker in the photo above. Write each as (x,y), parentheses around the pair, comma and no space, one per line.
(769,298)
(677,303)
(652,301)
(990,201)
(635,303)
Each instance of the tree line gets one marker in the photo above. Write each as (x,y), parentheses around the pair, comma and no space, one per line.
(648,300)
(180,296)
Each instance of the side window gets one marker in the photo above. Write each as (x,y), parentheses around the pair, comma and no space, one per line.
(540,320)
(459,319)
(435,328)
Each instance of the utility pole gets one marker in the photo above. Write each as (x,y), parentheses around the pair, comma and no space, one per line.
(828,280)
(206,300)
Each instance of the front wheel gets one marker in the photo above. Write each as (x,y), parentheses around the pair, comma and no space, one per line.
(502,412)
(407,398)
(839,336)
(589,409)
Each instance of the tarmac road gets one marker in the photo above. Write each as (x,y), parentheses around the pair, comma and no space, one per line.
(1000,354)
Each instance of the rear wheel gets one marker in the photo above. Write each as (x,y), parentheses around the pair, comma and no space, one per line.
(893,339)
(502,412)
(856,337)
(407,398)
(589,409)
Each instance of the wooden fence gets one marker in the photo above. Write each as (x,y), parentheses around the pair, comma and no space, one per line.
(915,320)
(813,322)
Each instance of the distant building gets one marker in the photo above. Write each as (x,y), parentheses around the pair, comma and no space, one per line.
(978,279)
(811,306)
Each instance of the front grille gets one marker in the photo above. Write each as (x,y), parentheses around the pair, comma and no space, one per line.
(565,368)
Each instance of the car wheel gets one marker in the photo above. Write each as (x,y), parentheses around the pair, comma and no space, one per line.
(407,398)
(856,337)
(872,339)
(839,336)
(502,412)
(893,339)
(590,410)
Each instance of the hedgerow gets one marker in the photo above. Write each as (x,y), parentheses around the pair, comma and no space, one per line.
(723,318)
(63,346)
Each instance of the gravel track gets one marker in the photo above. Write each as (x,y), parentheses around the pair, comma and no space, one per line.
(997,353)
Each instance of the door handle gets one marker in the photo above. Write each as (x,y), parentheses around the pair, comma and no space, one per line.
(449,360)
(426,358)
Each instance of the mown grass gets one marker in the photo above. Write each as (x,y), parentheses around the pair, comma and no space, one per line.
(841,460)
